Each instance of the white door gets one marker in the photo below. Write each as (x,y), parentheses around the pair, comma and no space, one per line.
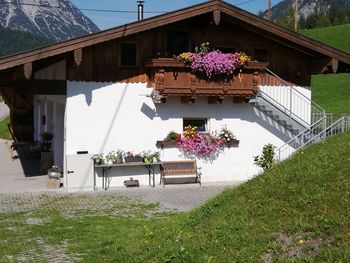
(59,134)
(80,172)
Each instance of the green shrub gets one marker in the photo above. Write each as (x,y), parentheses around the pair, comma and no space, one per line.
(267,158)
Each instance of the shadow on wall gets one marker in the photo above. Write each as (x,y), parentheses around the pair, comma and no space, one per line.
(173,109)
(148,111)
(87,93)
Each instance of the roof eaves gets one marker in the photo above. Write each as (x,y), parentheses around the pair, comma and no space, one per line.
(109,34)
(284,32)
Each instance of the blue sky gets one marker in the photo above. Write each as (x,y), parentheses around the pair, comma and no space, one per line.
(108,20)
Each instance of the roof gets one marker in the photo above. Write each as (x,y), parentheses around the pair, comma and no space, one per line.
(168,18)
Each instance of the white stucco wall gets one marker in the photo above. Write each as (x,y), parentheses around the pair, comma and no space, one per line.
(101,117)
(298,101)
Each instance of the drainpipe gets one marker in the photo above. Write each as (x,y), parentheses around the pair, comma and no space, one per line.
(140,10)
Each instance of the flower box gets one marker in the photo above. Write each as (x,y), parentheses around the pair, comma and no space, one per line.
(233,143)
(133,159)
(166,144)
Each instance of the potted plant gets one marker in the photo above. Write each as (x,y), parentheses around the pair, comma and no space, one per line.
(98,159)
(131,157)
(111,157)
(169,141)
(46,138)
(228,137)
(150,157)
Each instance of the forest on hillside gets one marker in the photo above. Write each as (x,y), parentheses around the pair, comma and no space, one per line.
(325,13)
(15,41)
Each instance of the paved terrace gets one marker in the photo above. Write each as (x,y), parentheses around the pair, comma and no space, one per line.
(25,193)
(170,199)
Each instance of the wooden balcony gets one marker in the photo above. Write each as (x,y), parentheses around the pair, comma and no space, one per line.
(174,78)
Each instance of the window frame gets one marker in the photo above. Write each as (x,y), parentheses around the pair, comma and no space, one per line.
(206,125)
(178,30)
(267,53)
(217,47)
(137,63)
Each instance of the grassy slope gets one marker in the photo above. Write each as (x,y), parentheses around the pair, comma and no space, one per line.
(4,132)
(336,36)
(332,92)
(306,198)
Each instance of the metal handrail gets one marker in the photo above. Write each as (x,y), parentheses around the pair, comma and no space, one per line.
(296,91)
(299,139)
(330,127)
(284,110)
(324,133)
(304,131)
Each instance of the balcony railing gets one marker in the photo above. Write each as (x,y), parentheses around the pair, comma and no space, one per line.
(173,78)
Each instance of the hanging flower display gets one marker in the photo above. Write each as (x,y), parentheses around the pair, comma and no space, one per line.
(214,64)
(202,145)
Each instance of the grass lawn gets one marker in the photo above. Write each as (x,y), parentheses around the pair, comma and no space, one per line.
(299,211)
(4,132)
(336,36)
(332,92)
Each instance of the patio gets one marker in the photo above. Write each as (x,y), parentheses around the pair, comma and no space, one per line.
(18,176)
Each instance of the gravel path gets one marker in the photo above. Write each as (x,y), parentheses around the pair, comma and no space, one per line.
(169,199)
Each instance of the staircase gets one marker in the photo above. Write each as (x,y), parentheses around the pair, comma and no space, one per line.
(318,132)
(304,119)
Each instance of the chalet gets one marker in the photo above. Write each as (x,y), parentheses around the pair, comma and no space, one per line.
(122,89)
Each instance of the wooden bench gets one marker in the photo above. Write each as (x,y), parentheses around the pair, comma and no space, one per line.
(180,168)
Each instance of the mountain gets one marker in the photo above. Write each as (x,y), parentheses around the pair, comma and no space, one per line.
(53,19)
(14,41)
(312,13)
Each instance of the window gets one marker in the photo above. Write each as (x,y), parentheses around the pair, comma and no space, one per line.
(128,53)
(177,42)
(226,50)
(201,124)
(261,55)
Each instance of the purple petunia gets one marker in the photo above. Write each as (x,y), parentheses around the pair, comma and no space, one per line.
(214,64)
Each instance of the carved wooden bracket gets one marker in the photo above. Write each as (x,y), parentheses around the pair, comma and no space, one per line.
(215,99)
(188,99)
(255,81)
(217,17)
(78,56)
(157,98)
(335,63)
(159,80)
(193,80)
(28,69)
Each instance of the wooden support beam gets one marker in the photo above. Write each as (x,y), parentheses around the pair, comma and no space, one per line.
(238,99)
(188,99)
(44,87)
(28,70)
(216,17)
(335,64)
(215,99)
(319,66)
(78,56)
